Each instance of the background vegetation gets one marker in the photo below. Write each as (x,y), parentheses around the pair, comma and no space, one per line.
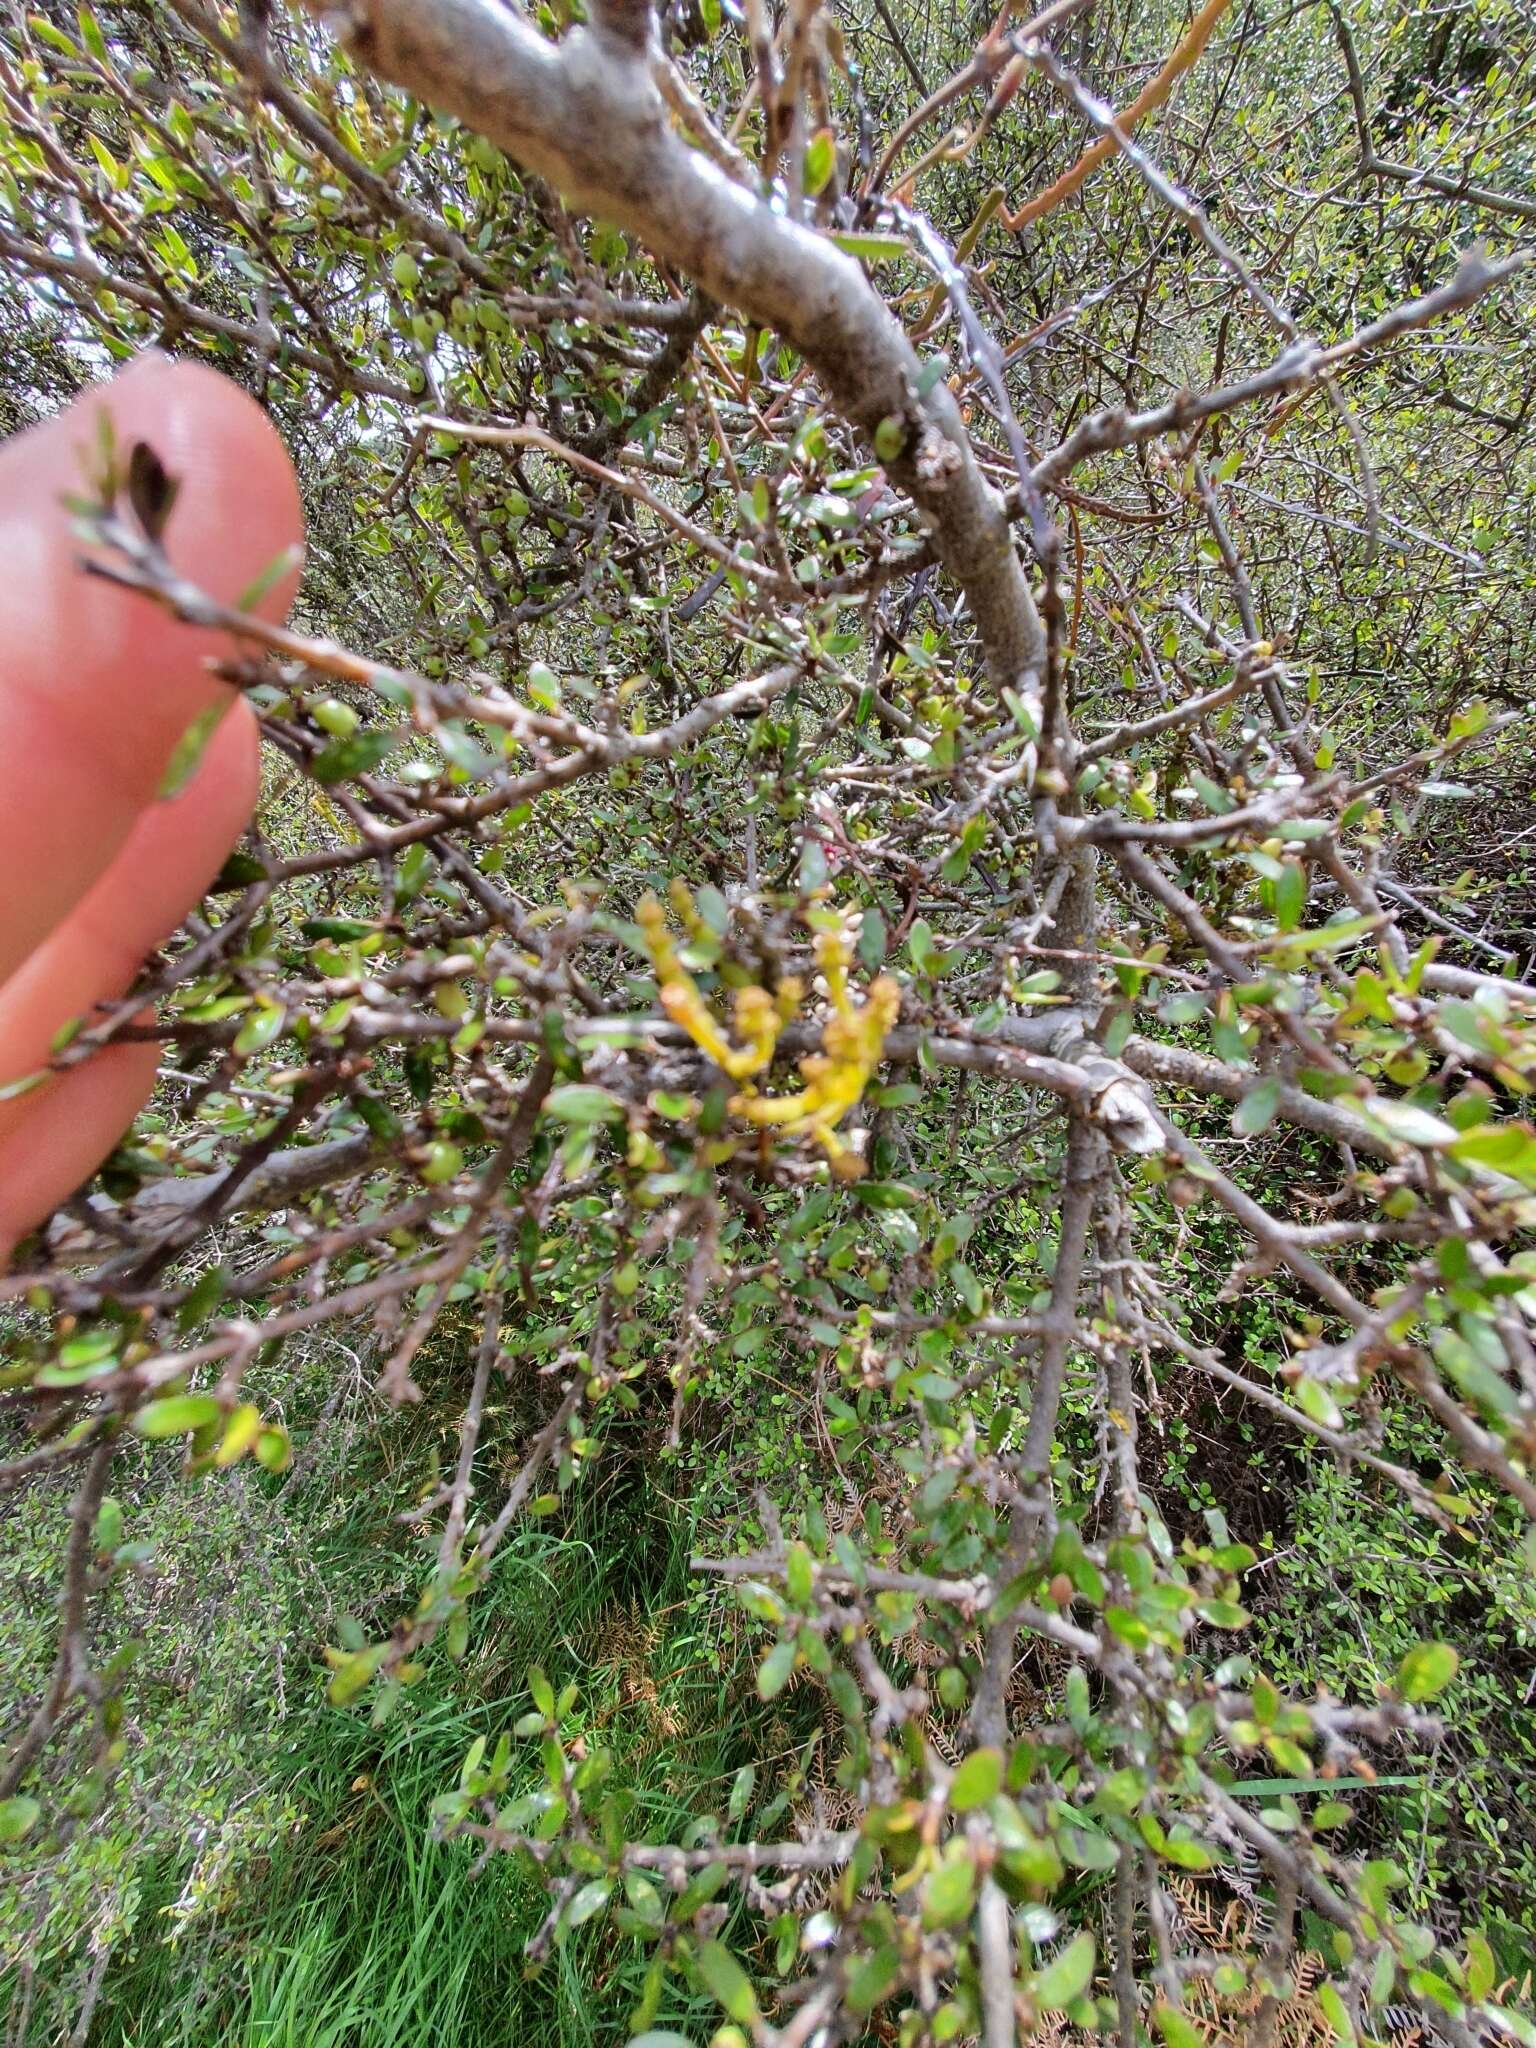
(524,1314)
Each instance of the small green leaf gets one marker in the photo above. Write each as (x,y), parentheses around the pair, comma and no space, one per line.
(359,754)
(890,437)
(949,1892)
(1067,1977)
(1314,1399)
(351,1673)
(108,1533)
(927,957)
(978,1779)
(1122,1792)
(589,1900)
(1290,895)
(1211,794)
(1407,1122)
(872,248)
(1383,1975)
(741,1792)
(1222,1613)
(273,1452)
(240,1434)
(1482,1971)
(442,1162)
(1187,1853)
(187,754)
(18,1817)
(871,1977)
(261,1028)
(334,717)
(1175,2029)
(935,1386)
(1129,1627)
(1256,1111)
(799,1574)
(820,160)
(727,1981)
(176,1415)
(203,1299)
(55,38)
(544,686)
(887,1194)
(282,564)
(773,1672)
(1117,1031)
(580,1103)
(953,1687)
(1334,2011)
(1427,1669)
(1077,1701)
(1507,1148)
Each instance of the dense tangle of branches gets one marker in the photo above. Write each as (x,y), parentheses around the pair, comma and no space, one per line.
(794,662)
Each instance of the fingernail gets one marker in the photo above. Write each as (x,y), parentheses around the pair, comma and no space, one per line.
(147,360)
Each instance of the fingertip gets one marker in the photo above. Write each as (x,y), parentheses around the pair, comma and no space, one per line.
(55,1138)
(237,511)
(98,683)
(170,858)
(65,1137)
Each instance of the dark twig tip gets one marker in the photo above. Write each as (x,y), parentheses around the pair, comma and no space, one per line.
(152,490)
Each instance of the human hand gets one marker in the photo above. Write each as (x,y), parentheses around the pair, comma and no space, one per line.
(97,685)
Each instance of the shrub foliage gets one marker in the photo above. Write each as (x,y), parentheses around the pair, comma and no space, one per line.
(893,854)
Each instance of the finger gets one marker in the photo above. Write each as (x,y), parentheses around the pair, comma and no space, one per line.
(167,862)
(55,1135)
(97,683)
(63,1141)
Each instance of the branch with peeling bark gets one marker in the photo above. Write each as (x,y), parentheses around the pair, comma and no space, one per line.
(587,115)
(645,1145)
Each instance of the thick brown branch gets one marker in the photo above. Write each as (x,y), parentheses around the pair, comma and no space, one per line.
(587,115)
